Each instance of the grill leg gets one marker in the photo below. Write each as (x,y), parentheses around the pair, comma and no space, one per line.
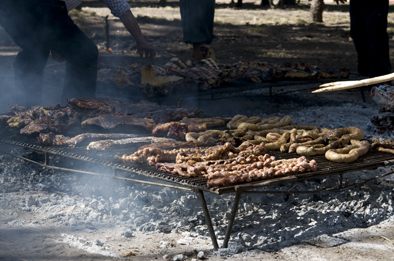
(208,219)
(340,180)
(231,221)
(46,158)
(362,94)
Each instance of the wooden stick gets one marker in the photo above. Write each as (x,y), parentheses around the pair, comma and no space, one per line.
(344,85)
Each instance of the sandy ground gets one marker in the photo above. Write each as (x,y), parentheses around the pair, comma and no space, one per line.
(249,34)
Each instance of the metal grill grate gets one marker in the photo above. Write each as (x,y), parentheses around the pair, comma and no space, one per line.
(107,158)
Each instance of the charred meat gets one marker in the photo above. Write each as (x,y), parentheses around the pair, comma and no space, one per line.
(110,121)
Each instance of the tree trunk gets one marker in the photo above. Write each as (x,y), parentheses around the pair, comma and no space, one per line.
(317,7)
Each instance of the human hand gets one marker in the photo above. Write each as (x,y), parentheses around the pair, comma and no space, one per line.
(57,57)
(340,1)
(145,50)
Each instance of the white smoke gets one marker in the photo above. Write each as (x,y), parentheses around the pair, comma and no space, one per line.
(53,78)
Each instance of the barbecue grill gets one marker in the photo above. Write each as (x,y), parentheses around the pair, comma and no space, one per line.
(137,172)
(229,89)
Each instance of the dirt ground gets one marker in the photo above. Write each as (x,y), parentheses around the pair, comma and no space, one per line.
(248,34)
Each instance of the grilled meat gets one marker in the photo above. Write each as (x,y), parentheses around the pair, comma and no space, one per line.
(150,156)
(106,144)
(157,85)
(52,139)
(168,114)
(135,109)
(42,119)
(211,122)
(175,65)
(148,76)
(256,171)
(177,130)
(182,169)
(197,154)
(171,144)
(92,104)
(34,127)
(239,169)
(110,121)
(4,119)
(59,140)
(43,126)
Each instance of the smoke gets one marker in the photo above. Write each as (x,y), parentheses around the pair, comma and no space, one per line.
(8,51)
(53,78)
(53,82)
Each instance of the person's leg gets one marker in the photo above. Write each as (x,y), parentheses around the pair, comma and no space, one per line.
(19,19)
(81,68)
(358,33)
(378,40)
(45,25)
(197,23)
(80,52)
(29,68)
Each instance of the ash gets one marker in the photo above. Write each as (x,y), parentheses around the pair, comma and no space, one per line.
(115,218)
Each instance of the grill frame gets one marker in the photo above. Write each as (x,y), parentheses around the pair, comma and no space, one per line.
(325,168)
(198,185)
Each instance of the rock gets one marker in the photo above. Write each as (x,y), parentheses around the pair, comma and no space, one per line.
(127,233)
(183,223)
(124,216)
(179,257)
(139,221)
(30,201)
(165,244)
(246,237)
(94,204)
(116,210)
(227,215)
(44,200)
(186,234)
(183,242)
(72,221)
(201,255)
(156,201)
(99,243)
(248,207)
(164,228)
(235,248)
(223,251)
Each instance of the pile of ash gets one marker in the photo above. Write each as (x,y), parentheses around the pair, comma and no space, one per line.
(383,95)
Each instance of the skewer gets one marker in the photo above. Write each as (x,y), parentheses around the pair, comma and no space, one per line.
(344,85)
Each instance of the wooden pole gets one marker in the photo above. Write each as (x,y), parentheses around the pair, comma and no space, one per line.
(344,85)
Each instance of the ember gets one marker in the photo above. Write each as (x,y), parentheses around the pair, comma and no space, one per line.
(383,95)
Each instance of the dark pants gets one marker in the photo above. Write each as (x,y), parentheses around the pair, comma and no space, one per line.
(368,28)
(197,20)
(38,26)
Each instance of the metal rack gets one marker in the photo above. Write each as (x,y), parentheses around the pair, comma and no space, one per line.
(198,185)
(235,88)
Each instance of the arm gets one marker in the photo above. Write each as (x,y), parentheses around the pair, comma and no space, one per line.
(132,26)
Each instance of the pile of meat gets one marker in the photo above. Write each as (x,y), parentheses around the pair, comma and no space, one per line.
(225,151)
(222,165)
(177,75)
(50,124)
